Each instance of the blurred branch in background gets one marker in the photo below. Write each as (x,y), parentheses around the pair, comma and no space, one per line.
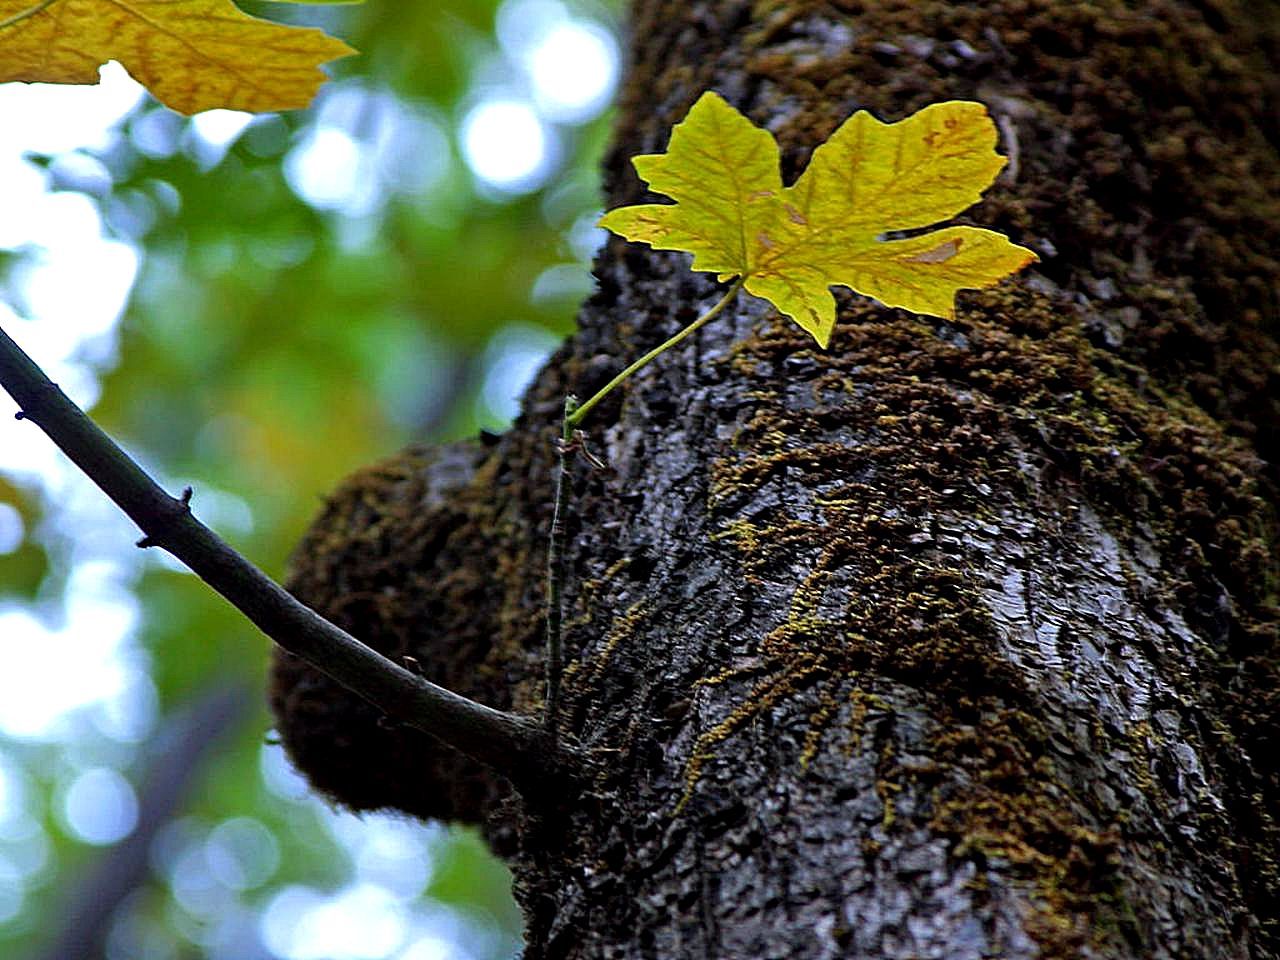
(177,761)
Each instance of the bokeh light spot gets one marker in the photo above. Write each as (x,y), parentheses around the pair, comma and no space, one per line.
(506,145)
(511,360)
(362,922)
(327,169)
(12,529)
(14,787)
(215,133)
(100,807)
(573,70)
(279,775)
(242,853)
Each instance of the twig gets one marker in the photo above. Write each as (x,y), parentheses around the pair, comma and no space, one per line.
(555,570)
(1010,131)
(572,440)
(514,746)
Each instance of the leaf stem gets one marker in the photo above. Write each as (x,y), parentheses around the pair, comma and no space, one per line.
(26,14)
(571,420)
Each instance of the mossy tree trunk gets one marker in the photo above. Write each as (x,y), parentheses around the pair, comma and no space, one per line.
(956,640)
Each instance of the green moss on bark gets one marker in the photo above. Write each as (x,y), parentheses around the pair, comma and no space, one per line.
(1140,367)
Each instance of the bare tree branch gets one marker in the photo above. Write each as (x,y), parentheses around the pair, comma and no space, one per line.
(514,746)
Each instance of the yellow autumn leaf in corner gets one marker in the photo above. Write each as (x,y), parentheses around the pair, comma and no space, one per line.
(192,55)
(791,244)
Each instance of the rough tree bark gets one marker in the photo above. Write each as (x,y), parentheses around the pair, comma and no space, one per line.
(958,640)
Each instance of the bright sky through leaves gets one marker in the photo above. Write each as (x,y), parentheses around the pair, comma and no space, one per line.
(793,243)
(192,55)
(505,144)
(96,676)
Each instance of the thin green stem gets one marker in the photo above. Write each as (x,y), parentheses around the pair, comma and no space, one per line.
(566,444)
(26,14)
(571,420)
(555,571)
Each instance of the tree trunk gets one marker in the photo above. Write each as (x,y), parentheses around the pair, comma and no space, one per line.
(956,640)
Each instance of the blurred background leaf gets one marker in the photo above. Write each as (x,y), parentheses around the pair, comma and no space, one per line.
(257,306)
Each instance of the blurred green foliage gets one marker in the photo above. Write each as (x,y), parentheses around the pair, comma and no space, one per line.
(268,349)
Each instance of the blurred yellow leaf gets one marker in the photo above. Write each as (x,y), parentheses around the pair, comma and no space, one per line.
(791,244)
(192,55)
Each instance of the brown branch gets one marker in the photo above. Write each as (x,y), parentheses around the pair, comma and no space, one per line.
(514,746)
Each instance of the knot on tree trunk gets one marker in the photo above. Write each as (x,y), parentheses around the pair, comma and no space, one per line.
(408,542)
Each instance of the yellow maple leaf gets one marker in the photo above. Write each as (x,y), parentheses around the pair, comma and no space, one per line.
(792,244)
(192,55)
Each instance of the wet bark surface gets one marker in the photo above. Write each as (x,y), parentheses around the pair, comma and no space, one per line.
(958,639)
